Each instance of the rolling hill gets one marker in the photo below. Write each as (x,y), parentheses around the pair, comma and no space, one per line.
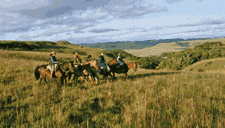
(170,47)
(210,65)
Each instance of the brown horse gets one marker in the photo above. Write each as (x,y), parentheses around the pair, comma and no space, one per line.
(41,72)
(103,72)
(113,64)
(68,68)
(132,65)
(87,71)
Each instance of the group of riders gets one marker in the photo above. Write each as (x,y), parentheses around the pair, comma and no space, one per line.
(78,62)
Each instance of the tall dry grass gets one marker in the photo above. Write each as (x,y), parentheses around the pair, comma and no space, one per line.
(148,98)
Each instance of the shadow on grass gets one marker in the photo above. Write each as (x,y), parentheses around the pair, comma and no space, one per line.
(130,77)
(134,76)
(149,74)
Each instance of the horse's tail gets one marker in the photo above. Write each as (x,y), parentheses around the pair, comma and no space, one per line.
(37,73)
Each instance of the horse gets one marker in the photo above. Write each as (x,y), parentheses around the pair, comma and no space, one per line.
(41,72)
(68,68)
(103,72)
(113,64)
(132,65)
(86,72)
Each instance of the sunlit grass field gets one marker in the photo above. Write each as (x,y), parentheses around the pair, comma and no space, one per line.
(148,98)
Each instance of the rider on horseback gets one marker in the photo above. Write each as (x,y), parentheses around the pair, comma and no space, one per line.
(53,62)
(102,63)
(77,62)
(119,59)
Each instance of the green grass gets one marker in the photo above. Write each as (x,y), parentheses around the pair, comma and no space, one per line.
(208,65)
(148,98)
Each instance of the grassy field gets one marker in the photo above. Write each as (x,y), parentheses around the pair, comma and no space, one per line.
(148,98)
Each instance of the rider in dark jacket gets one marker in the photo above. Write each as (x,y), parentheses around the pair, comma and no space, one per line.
(53,62)
(119,59)
(102,63)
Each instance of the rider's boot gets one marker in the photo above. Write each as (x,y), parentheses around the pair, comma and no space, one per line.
(51,74)
(108,68)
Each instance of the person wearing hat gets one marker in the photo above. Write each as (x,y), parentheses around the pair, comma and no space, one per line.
(53,62)
(89,58)
(119,59)
(102,62)
(77,62)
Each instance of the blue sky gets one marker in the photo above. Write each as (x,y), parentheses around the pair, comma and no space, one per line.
(96,21)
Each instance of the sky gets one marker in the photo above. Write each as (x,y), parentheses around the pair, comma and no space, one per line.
(97,21)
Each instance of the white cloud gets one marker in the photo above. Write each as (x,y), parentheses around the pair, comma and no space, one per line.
(94,21)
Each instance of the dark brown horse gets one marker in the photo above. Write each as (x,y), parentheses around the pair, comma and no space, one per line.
(132,65)
(87,72)
(114,68)
(62,71)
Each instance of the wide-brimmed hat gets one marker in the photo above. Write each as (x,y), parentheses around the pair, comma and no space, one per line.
(53,52)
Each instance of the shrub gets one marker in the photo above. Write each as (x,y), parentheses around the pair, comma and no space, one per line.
(200,70)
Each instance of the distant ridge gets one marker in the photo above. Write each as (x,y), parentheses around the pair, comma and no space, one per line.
(62,42)
(136,44)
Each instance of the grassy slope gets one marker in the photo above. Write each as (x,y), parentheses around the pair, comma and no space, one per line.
(64,51)
(170,47)
(216,64)
(147,98)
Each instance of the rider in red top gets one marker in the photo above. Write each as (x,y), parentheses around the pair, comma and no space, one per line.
(77,62)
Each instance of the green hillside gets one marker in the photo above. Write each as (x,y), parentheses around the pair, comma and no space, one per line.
(170,47)
(207,65)
(182,59)
(40,50)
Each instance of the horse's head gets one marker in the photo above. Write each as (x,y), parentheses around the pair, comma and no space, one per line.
(68,65)
(93,63)
(71,66)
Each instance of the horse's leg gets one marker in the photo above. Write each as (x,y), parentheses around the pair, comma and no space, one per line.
(40,81)
(106,76)
(41,77)
(91,80)
(76,80)
(45,79)
(96,80)
(109,74)
(65,80)
(125,76)
(114,75)
(62,82)
(69,77)
(82,79)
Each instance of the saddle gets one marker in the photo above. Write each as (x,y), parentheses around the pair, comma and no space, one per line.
(121,67)
(101,69)
(49,67)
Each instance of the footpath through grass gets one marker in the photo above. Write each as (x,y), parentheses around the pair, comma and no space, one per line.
(147,98)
